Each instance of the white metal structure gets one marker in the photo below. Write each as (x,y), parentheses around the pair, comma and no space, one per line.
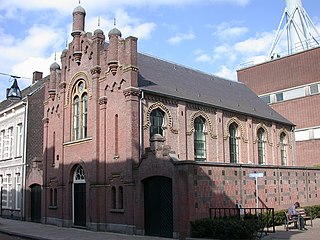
(301,32)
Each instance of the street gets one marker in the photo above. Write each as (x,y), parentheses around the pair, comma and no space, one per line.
(9,237)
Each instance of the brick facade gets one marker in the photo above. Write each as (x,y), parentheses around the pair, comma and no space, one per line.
(119,159)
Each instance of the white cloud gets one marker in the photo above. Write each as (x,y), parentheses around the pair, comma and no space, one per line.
(203,57)
(23,56)
(256,45)
(226,72)
(235,55)
(179,37)
(225,31)
(31,64)
(38,40)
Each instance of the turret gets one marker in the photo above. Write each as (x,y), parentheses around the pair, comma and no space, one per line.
(98,45)
(114,35)
(77,28)
(54,71)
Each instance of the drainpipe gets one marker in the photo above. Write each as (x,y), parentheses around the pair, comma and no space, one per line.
(140,124)
(24,161)
(293,144)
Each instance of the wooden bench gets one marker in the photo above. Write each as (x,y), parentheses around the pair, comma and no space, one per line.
(303,214)
(288,221)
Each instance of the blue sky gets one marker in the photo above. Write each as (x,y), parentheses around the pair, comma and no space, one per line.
(213,36)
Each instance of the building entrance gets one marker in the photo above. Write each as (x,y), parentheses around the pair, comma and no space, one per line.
(79,197)
(158,207)
(35,203)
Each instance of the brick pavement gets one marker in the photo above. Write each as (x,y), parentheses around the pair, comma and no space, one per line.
(313,233)
(38,231)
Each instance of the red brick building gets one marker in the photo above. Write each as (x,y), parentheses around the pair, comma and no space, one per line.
(139,145)
(290,85)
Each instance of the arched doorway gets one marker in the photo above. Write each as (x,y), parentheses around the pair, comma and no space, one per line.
(158,207)
(79,197)
(35,203)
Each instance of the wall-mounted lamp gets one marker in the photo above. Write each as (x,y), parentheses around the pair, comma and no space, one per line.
(14,92)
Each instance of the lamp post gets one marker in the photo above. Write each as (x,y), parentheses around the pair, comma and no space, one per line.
(14,92)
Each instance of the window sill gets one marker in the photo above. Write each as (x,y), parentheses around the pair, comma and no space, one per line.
(116,210)
(200,159)
(79,141)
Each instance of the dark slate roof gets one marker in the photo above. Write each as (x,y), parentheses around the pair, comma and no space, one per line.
(25,92)
(165,78)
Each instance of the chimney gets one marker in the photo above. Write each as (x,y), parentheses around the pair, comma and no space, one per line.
(37,76)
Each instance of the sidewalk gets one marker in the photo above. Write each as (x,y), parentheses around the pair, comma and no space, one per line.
(40,231)
(312,233)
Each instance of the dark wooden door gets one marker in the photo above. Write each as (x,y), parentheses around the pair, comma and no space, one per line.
(35,203)
(158,206)
(80,204)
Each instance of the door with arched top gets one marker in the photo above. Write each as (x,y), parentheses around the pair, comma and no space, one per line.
(79,197)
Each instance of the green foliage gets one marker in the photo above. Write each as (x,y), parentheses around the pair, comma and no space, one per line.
(279,217)
(236,228)
(313,211)
(224,228)
(316,166)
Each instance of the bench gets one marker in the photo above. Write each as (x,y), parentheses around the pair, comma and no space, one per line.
(288,221)
(306,218)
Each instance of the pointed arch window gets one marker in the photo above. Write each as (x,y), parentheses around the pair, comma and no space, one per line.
(80,110)
(261,146)
(283,149)
(79,176)
(120,198)
(156,120)
(199,139)
(234,143)
(113,198)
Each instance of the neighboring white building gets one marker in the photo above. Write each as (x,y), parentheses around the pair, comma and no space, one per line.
(21,152)
(12,158)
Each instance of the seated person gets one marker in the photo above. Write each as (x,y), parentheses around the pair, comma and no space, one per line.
(292,213)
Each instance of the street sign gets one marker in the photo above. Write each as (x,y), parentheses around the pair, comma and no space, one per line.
(255,175)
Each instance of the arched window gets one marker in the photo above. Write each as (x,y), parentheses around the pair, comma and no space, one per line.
(120,198)
(283,149)
(234,143)
(80,110)
(261,146)
(55,197)
(113,198)
(199,139)
(79,176)
(84,115)
(76,118)
(51,196)
(156,120)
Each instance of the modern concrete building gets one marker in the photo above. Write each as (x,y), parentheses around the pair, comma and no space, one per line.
(290,85)
(289,82)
